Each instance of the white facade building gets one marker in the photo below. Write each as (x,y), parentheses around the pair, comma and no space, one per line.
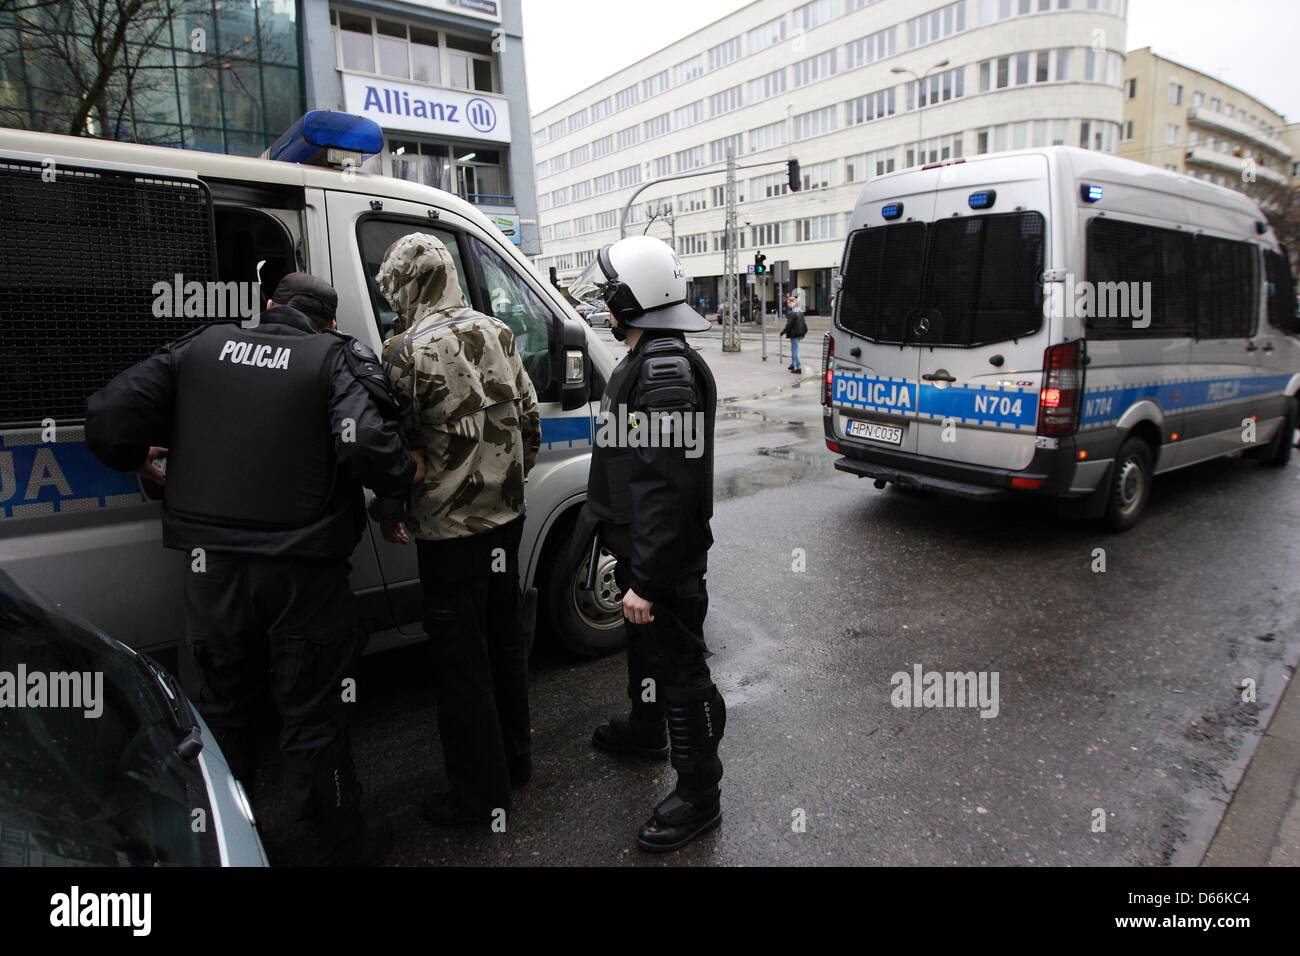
(824,82)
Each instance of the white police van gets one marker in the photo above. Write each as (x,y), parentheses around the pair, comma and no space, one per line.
(92,230)
(1058,322)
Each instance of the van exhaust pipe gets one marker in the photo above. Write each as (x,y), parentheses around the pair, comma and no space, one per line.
(880,484)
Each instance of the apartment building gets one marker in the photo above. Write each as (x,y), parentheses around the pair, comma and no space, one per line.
(1181,119)
(851,88)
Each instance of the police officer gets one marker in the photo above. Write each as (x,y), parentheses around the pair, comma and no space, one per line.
(268,435)
(651,498)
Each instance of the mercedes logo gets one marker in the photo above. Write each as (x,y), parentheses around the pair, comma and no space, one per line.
(922,325)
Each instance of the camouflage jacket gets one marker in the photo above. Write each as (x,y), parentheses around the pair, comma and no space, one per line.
(467,402)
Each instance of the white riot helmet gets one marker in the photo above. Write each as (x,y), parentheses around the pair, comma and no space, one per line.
(642,282)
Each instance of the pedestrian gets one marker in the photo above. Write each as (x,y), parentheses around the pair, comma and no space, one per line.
(470,406)
(650,504)
(267,436)
(795,329)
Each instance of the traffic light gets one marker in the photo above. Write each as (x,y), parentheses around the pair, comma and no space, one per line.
(796,182)
(759,268)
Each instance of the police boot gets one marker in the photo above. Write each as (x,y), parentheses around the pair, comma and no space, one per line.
(643,733)
(696,720)
(340,835)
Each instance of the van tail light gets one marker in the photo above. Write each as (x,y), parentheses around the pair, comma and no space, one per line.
(828,354)
(1062,390)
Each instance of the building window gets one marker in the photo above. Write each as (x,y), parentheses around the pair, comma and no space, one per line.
(393,48)
(1023,135)
(688,115)
(688,70)
(693,245)
(816,229)
(814,68)
(720,240)
(769,186)
(1131,87)
(1099,135)
(865,165)
(948,85)
(718,194)
(936,25)
(1171,134)
(933,150)
(627,138)
(560,163)
(818,175)
(627,98)
(658,126)
(661,167)
(1041,66)
(869,49)
(693,201)
(557,129)
(1128,131)
(601,109)
(577,120)
(579,155)
(873,106)
(767,86)
(768,234)
(1198,99)
(689,159)
(812,15)
(765,36)
(629,175)
(582,190)
(725,102)
(720,148)
(603,146)
(654,85)
(815,123)
(1175,94)
(606,183)
(767,137)
(607,220)
(724,53)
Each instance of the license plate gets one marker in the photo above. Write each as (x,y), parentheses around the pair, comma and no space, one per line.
(874,431)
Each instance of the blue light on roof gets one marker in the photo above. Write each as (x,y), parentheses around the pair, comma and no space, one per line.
(1090,193)
(317,131)
(892,210)
(983,200)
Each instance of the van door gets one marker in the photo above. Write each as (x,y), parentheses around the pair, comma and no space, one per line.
(874,381)
(980,332)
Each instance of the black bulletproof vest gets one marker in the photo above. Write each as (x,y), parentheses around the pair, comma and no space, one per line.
(608,495)
(251,440)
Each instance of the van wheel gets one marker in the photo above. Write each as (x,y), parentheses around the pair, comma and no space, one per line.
(589,623)
(1130,485)
(1279,452)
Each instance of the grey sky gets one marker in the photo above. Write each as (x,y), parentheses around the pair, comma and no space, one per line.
(571,44)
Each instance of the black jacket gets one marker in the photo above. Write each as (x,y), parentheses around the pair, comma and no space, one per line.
(136,410)
(654,504)
(795,326)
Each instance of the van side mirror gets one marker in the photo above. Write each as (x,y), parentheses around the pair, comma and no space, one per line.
(574,372)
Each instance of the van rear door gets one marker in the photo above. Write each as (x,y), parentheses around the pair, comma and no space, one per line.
(874,383)
(981,333)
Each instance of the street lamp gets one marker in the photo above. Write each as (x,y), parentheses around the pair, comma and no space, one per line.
(920,113)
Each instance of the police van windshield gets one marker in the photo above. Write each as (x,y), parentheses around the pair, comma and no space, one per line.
(974,280)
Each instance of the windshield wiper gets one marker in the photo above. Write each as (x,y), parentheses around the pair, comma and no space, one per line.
(189,733)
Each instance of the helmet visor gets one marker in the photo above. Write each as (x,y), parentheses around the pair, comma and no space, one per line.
(593,286)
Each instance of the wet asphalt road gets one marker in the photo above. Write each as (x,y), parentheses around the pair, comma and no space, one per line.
(1118,690)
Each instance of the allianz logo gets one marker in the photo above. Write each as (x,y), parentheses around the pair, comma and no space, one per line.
(249,353)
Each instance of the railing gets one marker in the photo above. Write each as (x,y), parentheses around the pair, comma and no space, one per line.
(488,199)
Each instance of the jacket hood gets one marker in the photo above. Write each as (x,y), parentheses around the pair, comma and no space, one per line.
(418,277)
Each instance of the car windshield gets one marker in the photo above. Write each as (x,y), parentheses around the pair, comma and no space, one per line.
(88,768)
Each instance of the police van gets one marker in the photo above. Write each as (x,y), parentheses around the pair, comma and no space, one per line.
(1057,322)
(113,249)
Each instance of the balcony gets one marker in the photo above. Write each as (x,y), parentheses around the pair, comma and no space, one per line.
(1227,162)
(1239,128)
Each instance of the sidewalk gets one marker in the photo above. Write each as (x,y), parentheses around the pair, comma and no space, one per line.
(744,374)
(1262,825)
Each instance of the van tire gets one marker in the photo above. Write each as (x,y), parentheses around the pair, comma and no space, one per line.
(1279,452)
(587,623)
(1130,485)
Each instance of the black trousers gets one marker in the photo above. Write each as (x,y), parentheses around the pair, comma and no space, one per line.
(287,625)
(670,650)
(480,654)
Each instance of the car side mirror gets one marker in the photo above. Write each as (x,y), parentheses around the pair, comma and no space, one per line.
(575,366)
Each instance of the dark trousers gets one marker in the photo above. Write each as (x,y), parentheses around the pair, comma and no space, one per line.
(288,626)
(480,653)
(670,650)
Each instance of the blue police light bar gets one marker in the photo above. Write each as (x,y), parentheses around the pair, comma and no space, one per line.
(983,200)
(310,139)
(1090,193)
(892,211)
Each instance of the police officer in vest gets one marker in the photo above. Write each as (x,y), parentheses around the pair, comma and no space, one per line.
(650,498)
(268,435)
